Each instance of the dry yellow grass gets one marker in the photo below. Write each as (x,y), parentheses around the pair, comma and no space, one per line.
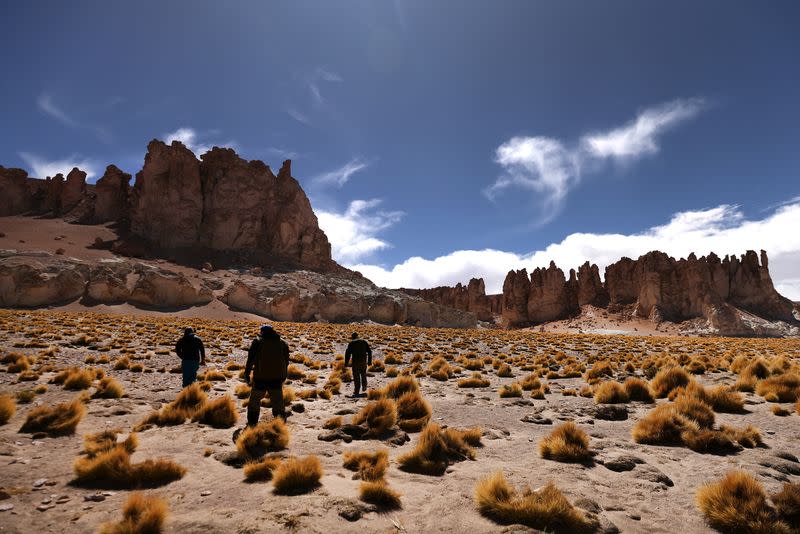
(436,449)
(333,422)
(380,494)
(256,441)
(787,503)
(94,444)
(186,404)
(367,465)
(59,420)
(638,390)
(8,407)
(738,503)
(781,388)
(668,379)
(379,415)
(695,409)
(141,514)
(108,388)
(510,391)
(610,392)
(661,426)
(546,509)
(219,413)
(113,469)
(261,470)
(297,475)
(413,411)
(475,381)
(567,443)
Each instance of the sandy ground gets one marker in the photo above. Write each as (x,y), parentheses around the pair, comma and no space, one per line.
(212,496)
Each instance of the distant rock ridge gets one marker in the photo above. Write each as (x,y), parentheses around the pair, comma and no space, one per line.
(654,286)
(220,208)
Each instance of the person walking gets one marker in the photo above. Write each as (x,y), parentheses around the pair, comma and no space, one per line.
(361,354)
(192,354)
(268,361)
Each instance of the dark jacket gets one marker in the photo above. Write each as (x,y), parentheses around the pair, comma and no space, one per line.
(359,350)
(190,348)
(267,359)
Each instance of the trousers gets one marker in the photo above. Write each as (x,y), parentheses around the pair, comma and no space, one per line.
(254,404)
(359,378)
(189,368)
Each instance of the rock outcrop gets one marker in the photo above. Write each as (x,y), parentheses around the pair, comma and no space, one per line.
(654,286)
(471,298)
(16,196)
(225,208)
(111,194)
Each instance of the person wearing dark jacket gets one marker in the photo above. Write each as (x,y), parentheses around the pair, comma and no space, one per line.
(267,363)
(359,350)
(192,354)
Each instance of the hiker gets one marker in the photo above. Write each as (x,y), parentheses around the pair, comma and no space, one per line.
(362,357)
(192,354)
(268,360)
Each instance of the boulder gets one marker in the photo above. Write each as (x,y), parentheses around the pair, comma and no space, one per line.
(40,279)
(160,288)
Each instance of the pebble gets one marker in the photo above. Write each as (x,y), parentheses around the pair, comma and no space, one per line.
(6,507)
(45,507)
(205,493)
(39,483)
(94,497)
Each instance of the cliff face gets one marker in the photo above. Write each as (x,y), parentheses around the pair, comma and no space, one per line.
(471,298)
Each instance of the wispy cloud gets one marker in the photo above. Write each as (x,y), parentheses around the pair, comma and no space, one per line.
(282,152)
(353,234)
(552,168)
(340,176)
(296,115)
(195,141)
(47,106)
(722,229)
(313,82)
(42,167)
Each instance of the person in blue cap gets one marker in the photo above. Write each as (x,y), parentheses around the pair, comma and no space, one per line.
(267,364)
(192,354)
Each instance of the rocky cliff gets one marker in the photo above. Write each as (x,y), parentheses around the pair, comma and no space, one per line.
(472,298)
(654,286)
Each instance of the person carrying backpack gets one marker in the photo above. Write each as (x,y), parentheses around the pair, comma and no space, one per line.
(268,361)
(192,354)
(361,353)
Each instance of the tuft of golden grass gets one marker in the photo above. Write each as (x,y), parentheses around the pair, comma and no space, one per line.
(59,420)
(256,441)
(261,470)
(531,382)
(748,436)
(95,444)
(475,381)
(510,390)
(108,388)
(185,405)
(638,390)
(141,514)
(219,413)
(546,509)
(668,379)
(380,494)
(297,475)
(780,411)
(8,407)
(242,391)
(610,392)
(437,448)
(367,465)
(787,503)
(333,422)
(566,443)
(661,426)
(379,415)
(113,469)
(79,379)
(505,371)
(695,409)
(780,388)
(413,411)
(706,440)
(738,503)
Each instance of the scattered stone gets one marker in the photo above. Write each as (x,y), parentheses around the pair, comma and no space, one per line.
(205,493)
(589,505)
(611,412)
(45,507)
(653,474)
(6,507)
(39,483)
(786,456)
(94,497)
(299,408)
(230,458)
(537,420)
(334,435)
(345,411)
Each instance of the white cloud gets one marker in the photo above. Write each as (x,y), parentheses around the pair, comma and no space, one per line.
(340,176)
(42,168)
(189,137)
(327,75)
(46,105)
(299,117)
(352,234)
(722,229)
(638,138)
(551,168)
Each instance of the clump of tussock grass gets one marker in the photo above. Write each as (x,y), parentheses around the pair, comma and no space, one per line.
(440,369)
(256,441)
(610,392)
(747,437)
(780,388)
(567,443)
(599,370)
(25,396)
(505,371)
(242,391)
(661,426)
(379,415)
(695,409)
(108,388)
(113,469)
(720,399)
(58,420)
(370,466)
(141,514)
(531,382)
(780,411)
(8,407)
(121,363)
(380,494)
(261,470)
(709,441)
(475,381)
(219,413)
(787,503)
(332,423)
(638,390)
(400,386)
(738,503)
(668,379)
(413,411)
(17,362)
(188,401)
(545,509)
(104,441)
(510,390)
(437,448)
(297,475)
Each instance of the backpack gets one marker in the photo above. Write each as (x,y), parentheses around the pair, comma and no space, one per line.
(270,364)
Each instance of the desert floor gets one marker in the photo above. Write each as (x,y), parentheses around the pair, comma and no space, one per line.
(657,495)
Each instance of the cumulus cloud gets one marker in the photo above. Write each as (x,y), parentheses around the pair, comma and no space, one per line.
(353,234)
(340,176)
(723,229)
(42,167)
(551,168)
(191,138)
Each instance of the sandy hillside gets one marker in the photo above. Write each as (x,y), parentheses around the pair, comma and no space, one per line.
(633,486)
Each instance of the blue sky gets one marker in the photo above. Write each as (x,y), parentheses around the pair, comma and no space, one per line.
(442,140)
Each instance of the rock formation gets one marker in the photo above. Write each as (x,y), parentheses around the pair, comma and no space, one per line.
(225,208)
(472,298)
(111,196)
(16,195)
